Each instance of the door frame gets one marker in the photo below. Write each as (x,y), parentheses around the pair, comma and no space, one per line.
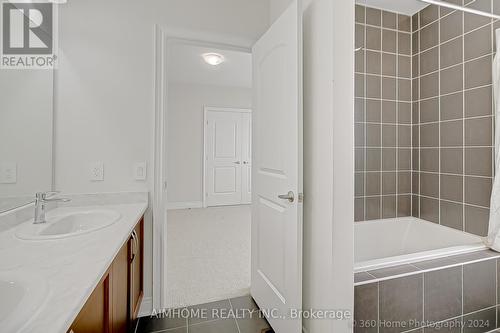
(206,110)
(163,40)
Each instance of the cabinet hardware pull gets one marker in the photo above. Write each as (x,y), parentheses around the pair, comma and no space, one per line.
(132,257)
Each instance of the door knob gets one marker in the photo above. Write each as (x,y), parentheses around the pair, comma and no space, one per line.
(289,196)
(237,162)
(245,162)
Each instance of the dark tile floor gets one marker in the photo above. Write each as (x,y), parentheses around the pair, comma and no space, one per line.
(235,315)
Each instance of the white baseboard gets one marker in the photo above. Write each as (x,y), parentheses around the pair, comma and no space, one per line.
(146,307)
(185,205)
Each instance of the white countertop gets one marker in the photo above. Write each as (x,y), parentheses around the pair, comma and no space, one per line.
(71,267)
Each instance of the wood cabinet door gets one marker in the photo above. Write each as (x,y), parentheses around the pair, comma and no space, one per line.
(94,316)
(136,270)
(119,290)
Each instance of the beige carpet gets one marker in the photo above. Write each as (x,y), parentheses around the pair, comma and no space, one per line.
(208,254)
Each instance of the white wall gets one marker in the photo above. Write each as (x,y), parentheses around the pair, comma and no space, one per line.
(185,135)
(104,84)
(276,8)
(328,156)
(26,132)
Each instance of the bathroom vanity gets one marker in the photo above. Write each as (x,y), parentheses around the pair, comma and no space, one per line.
(115,301)
(81,271)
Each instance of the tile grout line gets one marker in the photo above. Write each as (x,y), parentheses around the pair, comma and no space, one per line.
(381,214)
(439,112)
(365,113)
(462,300)
(421,271)
(232,308)
(463,133)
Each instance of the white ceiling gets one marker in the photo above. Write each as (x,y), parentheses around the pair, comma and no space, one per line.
(407,7)
(186,65)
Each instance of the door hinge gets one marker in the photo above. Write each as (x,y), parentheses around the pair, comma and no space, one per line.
(301,197)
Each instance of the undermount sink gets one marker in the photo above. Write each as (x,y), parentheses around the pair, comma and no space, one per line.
(68,224)
(21,299)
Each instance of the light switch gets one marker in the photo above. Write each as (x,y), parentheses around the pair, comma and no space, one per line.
(8,173)
(140,171)
(97,171)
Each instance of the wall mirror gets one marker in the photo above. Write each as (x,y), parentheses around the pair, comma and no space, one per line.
(26,133)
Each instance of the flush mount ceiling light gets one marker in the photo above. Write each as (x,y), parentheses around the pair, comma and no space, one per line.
(213,59)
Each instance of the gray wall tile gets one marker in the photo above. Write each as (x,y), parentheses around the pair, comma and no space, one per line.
(389,135)
(429,110)
(373,38)
(428,15)
(452,160)
(452,133)
(429,209)
(429,36)
(388,207)
(389,64)
(478,102)
(452,215)
(429,60)
(373,16)
(451,79)
(359,209)
(452,106)
(443,294)
(478,161)
(372,208)
(401,300)
(479,322)
(365,307)
(452,52)
(389,159)
(389,20)
(404,205)
(404,22)
(359,14)
(479,285)
(473,21)
(429,160)
(451,26)
(478,72)
(476,220)
(477,43)
(478,132)
(388,112)
(389,40)
(477,191)
(429,135)
(429,184)
(429,85)
(388,183)
(452,188)
(373,110)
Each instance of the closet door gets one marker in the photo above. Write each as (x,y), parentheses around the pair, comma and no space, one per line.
(246,171)
(223,158)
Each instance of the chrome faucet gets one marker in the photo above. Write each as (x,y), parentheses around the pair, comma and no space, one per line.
(40,200)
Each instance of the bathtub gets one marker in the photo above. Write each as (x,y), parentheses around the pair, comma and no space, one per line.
(391,242)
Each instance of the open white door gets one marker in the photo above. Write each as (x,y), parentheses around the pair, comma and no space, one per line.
(277,172)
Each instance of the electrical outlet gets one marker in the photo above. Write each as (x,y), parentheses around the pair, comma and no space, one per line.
(8,173)
(140,171)
(97,171)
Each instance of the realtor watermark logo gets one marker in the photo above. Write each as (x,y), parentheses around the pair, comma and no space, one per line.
(29,35)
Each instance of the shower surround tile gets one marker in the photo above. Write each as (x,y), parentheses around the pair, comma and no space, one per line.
(424,115)
(440,295)
(452,112)
(384,114)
